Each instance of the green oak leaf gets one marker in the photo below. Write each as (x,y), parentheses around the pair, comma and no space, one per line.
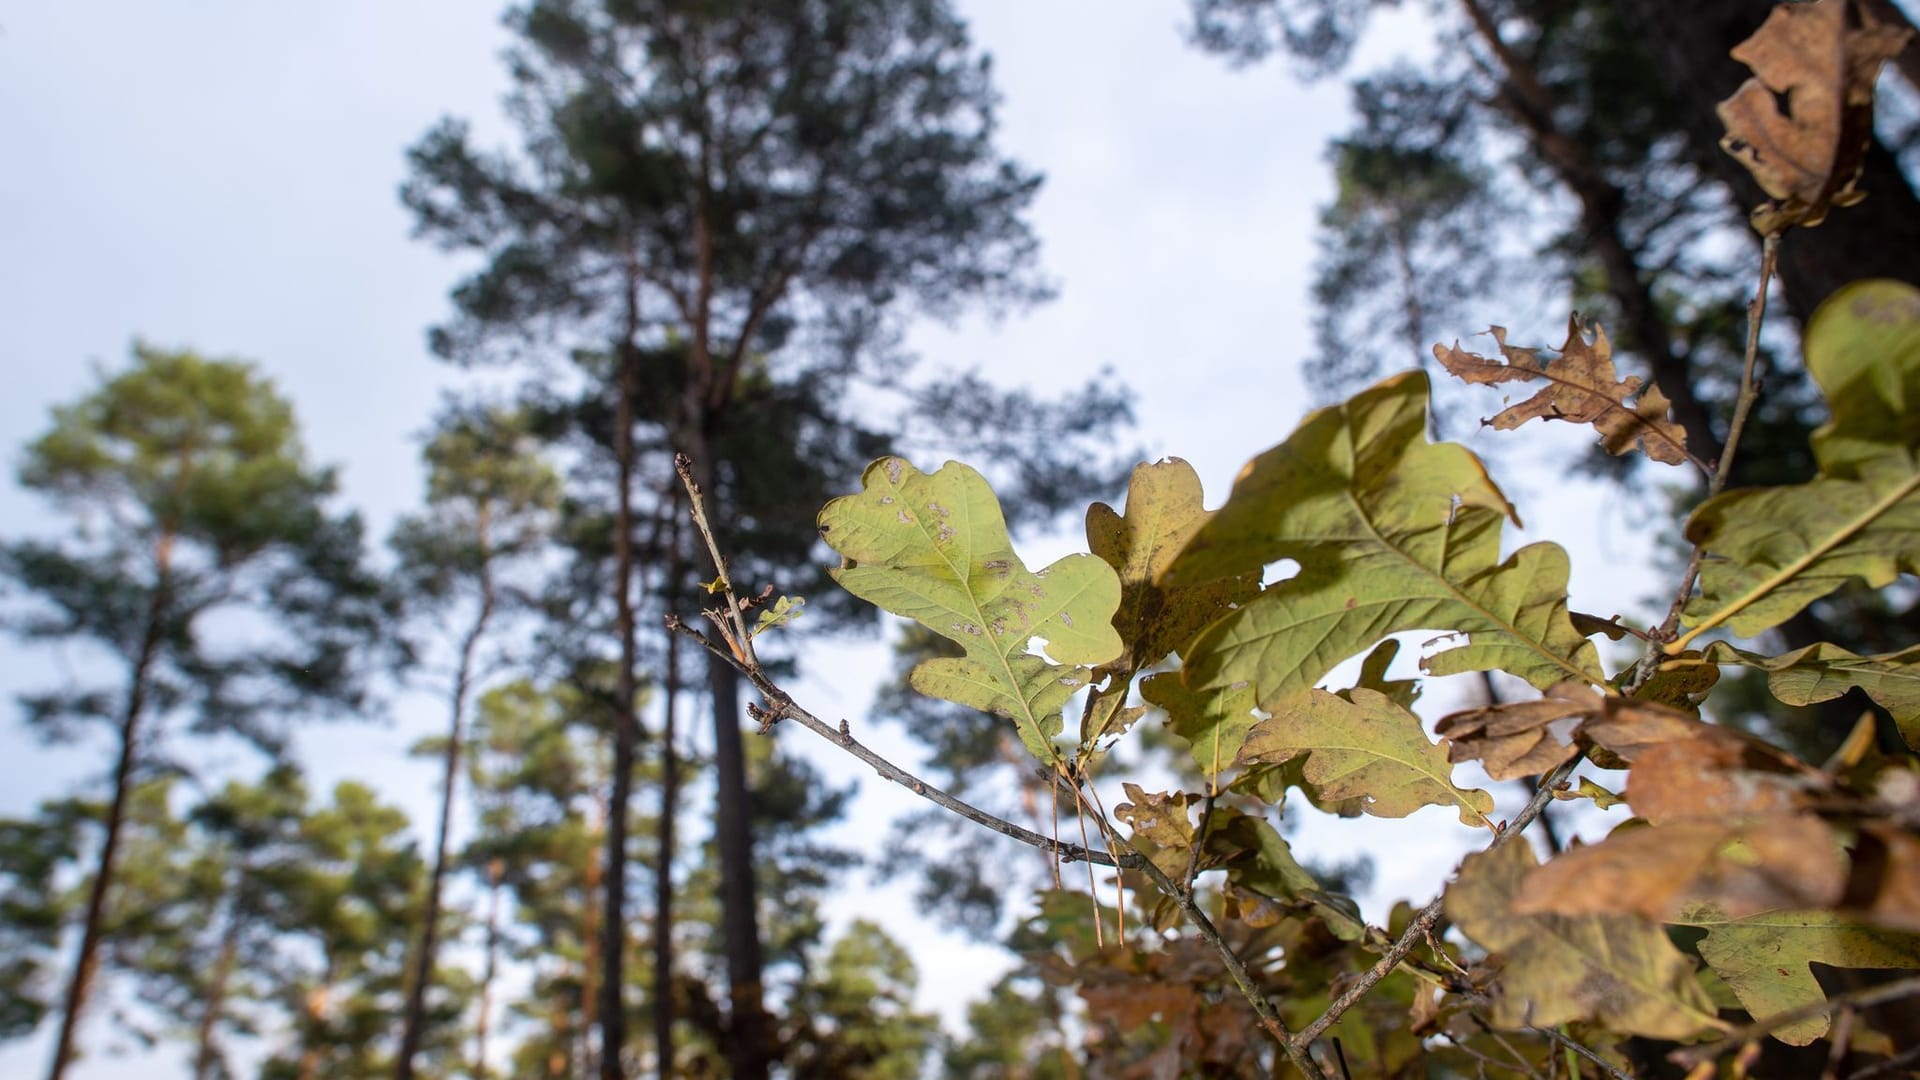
(934,548)
(1164,511)
(1214,722)
(1824,671)
(1618,970)
(1373,676)
(1764,958)
(1773,551)
(1392,533)
(1368,747)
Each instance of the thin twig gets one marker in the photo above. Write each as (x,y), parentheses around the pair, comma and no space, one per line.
(1723,468)
(1842,1040)
(737,631)
(1873,995)
(1423,922)
(1519,1063)
(782,707)
(1584,1051)
(1296,1050)
(1199,841)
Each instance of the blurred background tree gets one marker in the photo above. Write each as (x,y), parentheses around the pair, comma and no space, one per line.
(192,504)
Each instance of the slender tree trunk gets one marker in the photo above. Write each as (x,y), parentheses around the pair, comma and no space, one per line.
(663,873)
(1880,237)
(206,1055)
(489,970)
(420,978)
(590,966)
(80,981)
(613,1013)
(750,1045)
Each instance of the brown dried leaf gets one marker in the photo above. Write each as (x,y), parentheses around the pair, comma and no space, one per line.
(1521,738)
(1782,861)
(1718,776)
(1807,153)
(1617,969)
(1161,826)
(1583,388)
(1526,738)
(1628,728)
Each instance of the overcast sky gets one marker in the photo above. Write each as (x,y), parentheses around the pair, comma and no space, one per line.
(221,174)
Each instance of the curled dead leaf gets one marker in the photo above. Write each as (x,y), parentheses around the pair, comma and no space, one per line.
(1526,738)
(1521,738)
(1582,388)
(1780,861)
(1801,125)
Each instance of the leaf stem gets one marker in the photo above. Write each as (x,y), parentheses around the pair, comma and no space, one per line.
(782,707)
(1723,468)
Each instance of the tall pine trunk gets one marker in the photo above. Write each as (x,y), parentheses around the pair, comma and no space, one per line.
(420,977)
(750,1033)
(663,873)
(750,1042)
(626,724)
(80,981)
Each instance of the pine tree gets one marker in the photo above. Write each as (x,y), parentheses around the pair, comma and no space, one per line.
(193,501)
(489,504)
(721,213)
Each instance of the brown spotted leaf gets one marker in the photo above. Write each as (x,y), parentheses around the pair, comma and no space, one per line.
(1162,830)
(1617,970)
(1801,125)
(1582,387)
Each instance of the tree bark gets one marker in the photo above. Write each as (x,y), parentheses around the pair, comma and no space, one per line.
(663,873)
(420,978)
(1880,237)
(80,982)
(613,1012)
(750,1042)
